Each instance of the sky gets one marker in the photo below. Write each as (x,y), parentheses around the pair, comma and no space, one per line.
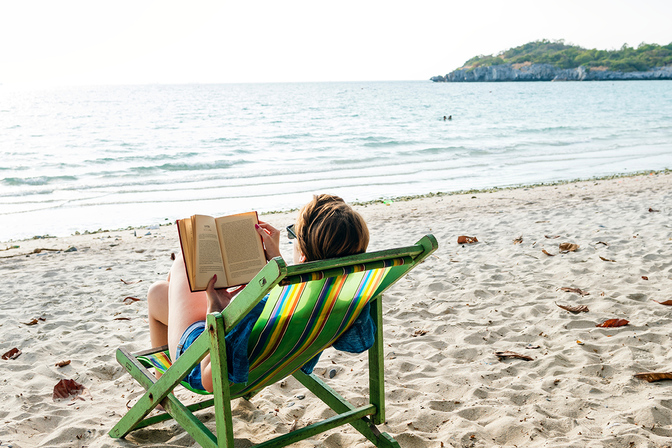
(198,41)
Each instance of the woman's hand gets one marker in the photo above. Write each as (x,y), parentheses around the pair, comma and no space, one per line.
(271,238)
(218,299)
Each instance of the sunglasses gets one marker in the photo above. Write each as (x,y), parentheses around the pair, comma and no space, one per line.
(290,232)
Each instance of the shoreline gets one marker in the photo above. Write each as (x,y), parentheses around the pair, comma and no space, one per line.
(664,171)
(403,198)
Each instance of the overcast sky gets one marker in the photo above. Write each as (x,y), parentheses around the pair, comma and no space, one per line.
(137,42)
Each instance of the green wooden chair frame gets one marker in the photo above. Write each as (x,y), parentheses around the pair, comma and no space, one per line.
(276,272)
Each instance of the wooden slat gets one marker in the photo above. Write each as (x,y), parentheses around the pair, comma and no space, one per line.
(157,391)
(262,283)
(151,351)
(335,272)
(425,246)
(311,266)
(318,428)
(376,367)
(166,416)
(337,403)
(220,379)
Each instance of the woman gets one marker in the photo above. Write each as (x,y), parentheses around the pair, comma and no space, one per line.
(326,228)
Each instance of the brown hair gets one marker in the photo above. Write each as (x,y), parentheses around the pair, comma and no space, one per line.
(327,227)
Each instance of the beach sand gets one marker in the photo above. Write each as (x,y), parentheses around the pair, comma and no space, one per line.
(443,323)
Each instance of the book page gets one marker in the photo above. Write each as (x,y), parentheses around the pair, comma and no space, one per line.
(185,232)
(208,255)
(242,248)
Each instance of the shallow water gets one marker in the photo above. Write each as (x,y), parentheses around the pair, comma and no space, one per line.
(84,158)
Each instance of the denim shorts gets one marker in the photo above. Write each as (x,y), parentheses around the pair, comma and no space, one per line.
(188,337)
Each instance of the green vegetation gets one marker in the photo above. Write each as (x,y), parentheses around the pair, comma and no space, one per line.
(561,55)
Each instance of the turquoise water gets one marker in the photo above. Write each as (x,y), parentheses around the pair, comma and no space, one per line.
(84,158)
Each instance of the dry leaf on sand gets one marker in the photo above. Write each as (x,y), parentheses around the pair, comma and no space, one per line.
(129,300)
(607,259)
(34,321)
(518,240)
(653,376)
(644,277)
(667,302)
(130,283)
(552,237)
(12,354)
(509,354)
(67,388)
(549,254)
(602,242)
(568,247)
(576,290)
(40,249)
(62,363)
(612,323)
(574,309)
(466,239)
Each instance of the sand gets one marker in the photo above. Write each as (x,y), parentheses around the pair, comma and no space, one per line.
(443,323)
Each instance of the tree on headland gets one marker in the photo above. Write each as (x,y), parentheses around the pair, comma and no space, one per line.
(561,55)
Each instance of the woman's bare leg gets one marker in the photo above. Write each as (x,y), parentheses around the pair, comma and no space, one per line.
(184,307)
(173,307)
(157,305)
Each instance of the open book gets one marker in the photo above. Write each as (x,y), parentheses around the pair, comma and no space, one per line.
(228,246)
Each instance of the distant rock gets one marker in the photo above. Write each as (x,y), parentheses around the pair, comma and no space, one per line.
(546,72)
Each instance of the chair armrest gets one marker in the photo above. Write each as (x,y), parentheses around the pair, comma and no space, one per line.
(262,283)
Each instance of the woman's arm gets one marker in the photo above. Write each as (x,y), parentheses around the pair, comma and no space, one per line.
(271,238)
(218,299)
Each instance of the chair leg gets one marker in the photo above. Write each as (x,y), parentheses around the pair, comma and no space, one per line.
(220,380)
(377,374)
(376,367)
(387,441)
(340,405)
(160,391)
(140,410)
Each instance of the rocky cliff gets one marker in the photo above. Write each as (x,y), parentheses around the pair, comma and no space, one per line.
(546,72)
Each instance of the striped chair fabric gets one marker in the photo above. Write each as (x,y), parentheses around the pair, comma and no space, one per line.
(299,320)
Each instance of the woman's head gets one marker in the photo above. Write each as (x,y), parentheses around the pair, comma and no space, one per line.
(327,227)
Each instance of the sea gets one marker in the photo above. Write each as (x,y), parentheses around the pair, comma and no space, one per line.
(76,159)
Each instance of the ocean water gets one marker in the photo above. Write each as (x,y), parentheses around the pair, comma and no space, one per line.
(84,158)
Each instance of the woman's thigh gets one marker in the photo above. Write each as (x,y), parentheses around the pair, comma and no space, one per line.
(157,301)
(184,307)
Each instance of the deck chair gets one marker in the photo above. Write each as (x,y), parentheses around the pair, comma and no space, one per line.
(321,299)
